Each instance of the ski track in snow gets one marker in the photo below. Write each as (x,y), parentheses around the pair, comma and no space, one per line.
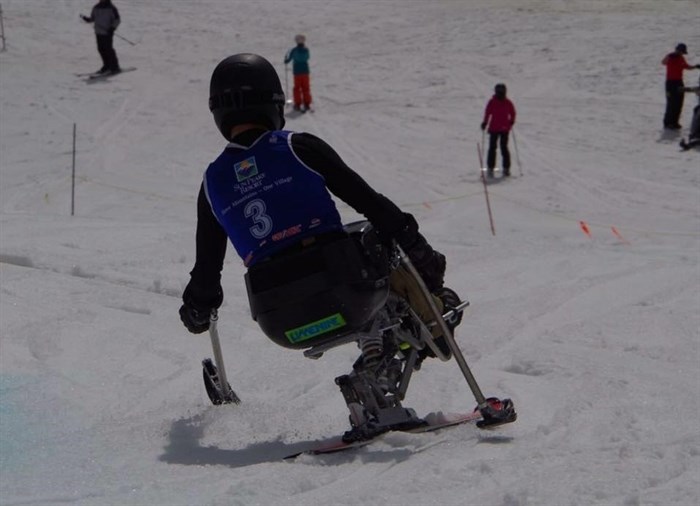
(595,338)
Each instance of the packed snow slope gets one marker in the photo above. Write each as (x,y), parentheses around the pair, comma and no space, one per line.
(594,336)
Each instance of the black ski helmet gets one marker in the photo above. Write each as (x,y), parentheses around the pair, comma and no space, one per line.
(682,48)
(500,90)
(245,88)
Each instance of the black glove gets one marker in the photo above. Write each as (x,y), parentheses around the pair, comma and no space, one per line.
(429,263)
(195,320)
(697,66)
(483,125)
(195,311)
(85,18)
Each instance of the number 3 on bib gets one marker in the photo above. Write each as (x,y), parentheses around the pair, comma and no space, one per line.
(255,209)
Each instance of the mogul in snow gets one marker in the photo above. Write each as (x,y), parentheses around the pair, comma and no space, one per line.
(499,116)
(314,283)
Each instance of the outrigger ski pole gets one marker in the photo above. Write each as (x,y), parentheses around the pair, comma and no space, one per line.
(218,388)
(493,410)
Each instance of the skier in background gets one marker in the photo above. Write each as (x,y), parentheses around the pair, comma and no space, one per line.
(105,17)
(299,56)
(675,65)
(272,221)
(694,136)
(500,118)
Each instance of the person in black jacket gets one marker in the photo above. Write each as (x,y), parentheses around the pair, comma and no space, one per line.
(105,17)
(268,192)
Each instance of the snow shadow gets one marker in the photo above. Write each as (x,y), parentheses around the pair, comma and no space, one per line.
(184,447)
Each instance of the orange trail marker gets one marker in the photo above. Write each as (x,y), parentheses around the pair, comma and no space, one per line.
(585,229)
(619,236)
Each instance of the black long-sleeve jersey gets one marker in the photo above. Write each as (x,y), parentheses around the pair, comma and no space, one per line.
(341,181)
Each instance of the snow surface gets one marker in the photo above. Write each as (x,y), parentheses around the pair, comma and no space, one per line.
(594,338)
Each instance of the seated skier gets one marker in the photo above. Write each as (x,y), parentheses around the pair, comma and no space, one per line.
(268,192)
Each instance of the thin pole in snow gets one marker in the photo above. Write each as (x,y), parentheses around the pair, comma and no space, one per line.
(2,30)
(486,192)
(517,154)
(72,193)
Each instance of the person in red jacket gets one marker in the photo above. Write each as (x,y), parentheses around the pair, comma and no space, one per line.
(500,118)
(675,65)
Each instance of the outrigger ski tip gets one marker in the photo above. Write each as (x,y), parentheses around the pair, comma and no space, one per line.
(212,384)
(496,412)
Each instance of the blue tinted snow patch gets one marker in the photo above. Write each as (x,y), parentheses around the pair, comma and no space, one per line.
(16,426)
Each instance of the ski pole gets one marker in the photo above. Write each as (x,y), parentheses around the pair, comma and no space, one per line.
(286,83)
(125,39)
(486,191)
(517,154)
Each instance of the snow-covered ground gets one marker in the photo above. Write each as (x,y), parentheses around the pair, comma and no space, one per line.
(595,338)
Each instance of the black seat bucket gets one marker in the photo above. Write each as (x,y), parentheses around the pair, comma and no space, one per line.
(320,292)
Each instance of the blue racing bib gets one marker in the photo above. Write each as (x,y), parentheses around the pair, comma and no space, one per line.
(266,199)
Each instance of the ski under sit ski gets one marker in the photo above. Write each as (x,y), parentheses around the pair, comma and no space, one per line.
(434,422)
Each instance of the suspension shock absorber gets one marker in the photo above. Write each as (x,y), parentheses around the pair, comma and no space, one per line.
(373,369)
(372,348)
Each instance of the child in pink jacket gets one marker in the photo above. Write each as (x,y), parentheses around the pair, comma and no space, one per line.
(500,118)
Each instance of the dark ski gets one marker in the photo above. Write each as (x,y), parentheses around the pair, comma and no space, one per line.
(496,176)
(434,422)
(686,145)
(92,78)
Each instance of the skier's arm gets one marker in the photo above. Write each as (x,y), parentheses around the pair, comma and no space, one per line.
(512,114)
(117,19)
(289,56)
(347,184)
(387,218)
(204,292)
(90,18)
(487,115)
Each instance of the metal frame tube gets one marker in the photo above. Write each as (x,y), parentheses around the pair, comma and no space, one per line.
(449,338)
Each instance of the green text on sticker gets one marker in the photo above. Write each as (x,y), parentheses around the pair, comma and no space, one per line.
(315,328)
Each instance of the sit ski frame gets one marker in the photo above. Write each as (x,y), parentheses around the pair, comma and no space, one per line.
(373,409)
